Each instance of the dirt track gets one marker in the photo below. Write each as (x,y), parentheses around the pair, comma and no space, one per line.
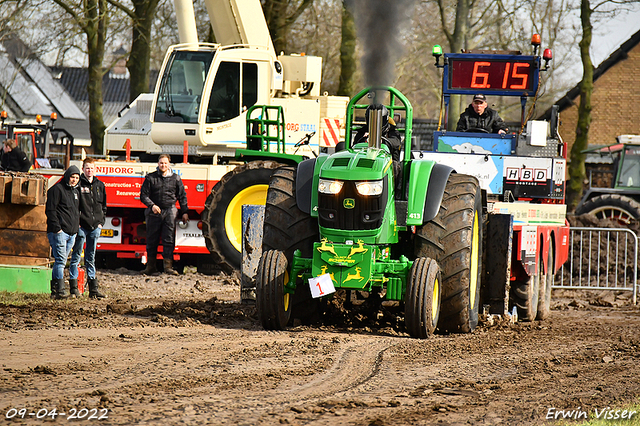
(183,350)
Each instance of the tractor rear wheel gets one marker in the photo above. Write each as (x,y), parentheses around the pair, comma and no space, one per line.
(273,303)
(454,239)
(546,282)
(616,207)
(287,228)
(422,298)
(222,215)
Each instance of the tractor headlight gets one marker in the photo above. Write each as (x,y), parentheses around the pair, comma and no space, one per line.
(373,187)
(330,186)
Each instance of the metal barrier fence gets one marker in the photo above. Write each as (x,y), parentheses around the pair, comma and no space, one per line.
(601,259)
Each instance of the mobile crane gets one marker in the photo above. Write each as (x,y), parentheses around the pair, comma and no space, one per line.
(203,101)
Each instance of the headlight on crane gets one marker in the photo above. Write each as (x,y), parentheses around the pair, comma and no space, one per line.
(330,186)
(373,187)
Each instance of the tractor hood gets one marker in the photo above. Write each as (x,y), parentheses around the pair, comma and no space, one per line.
(366,164)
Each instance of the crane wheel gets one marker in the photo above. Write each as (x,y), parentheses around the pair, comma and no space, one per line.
(422,298)
(454,239)
(222,215)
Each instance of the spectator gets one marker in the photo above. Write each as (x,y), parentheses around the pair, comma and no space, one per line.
(478,117)
(63,221)
(160,191)
(93,210)
(13,158)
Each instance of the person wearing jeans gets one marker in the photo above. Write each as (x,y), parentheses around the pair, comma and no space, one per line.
(93,210)
(63,222)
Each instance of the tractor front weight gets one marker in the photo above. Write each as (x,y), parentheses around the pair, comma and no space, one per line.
(353,267)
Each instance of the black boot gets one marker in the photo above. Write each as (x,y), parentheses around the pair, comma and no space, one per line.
(168,267)
(73,287)
(61,290)
(54,289)
(94,293)
(151,264)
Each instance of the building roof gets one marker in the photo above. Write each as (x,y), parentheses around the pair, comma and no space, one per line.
(619,55)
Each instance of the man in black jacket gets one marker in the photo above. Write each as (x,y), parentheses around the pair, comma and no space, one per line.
(479,117)
(13,158)
(63,221)
(93,210)
(160,191)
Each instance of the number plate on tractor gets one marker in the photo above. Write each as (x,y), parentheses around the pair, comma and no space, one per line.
(321,286)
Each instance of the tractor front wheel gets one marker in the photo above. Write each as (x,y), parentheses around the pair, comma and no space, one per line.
(272,301)
(422,298)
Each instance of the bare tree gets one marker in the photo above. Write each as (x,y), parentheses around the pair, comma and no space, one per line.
(280,15)
(142,14)
(92,17)
(577,171)
(348,62)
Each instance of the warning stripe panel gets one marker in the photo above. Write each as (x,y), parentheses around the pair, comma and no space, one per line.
(331,132)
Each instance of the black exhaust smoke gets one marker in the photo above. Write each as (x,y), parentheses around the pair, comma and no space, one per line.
(379,24)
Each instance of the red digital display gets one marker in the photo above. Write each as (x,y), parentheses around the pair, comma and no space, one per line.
(494,75)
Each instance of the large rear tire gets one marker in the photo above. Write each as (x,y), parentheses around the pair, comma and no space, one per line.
(546,283)
(422,298)
(222,215)
(273,304)
(612,206)
(454,239)
(287,229)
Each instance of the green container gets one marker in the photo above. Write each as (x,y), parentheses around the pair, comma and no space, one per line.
(25,279)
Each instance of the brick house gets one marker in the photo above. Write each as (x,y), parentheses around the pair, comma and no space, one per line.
(615,100)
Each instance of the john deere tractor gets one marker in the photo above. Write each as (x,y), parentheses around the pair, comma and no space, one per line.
(406,230)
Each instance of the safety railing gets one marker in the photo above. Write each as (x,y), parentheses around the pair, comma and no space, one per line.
(601,259)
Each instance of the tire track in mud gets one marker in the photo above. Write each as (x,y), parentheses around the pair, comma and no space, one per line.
(355,365)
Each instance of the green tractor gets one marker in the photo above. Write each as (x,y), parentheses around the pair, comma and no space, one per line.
(373,221)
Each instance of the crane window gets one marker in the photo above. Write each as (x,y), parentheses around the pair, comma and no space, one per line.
(181,87)
(224,102)
(249,85)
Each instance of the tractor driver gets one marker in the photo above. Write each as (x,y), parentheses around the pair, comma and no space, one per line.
(478,117)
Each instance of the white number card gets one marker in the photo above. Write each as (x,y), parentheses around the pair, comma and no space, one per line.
(321,286)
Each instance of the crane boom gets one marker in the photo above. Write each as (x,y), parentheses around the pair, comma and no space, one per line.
(239,22)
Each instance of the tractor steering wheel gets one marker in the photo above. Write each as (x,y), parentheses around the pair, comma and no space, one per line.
(477,130)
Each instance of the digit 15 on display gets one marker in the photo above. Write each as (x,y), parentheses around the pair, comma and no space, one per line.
(492,75)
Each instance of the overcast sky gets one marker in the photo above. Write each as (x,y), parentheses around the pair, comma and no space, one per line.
(610,35)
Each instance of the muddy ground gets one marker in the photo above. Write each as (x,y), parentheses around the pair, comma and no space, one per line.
(165,350)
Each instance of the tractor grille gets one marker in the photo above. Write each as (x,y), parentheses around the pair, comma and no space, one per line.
(367,212)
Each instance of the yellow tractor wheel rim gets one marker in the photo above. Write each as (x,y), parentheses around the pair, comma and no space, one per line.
(286,295)
(473,278)
(435,301)
(256,194)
